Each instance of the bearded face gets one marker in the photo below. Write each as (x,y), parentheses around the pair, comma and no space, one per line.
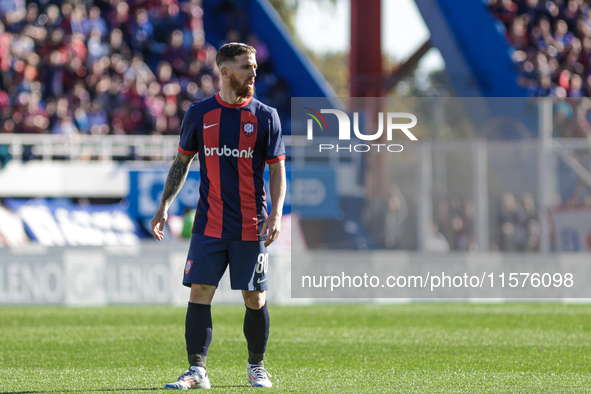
(244,89)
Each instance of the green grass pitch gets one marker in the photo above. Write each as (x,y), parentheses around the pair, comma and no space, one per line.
(334,348)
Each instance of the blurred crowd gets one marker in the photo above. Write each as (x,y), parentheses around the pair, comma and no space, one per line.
(516,229)
(107,67)
(454,224)
(513,223)
(552,44)
(518,225)
(551,41)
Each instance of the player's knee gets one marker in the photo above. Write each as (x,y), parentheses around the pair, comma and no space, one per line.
(201,294)
(255,299)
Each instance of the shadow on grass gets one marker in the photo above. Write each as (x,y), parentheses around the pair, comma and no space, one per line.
(107,390)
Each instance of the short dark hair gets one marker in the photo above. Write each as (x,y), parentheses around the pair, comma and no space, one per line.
(230,50)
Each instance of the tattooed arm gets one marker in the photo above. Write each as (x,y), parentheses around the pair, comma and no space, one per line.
(174,182)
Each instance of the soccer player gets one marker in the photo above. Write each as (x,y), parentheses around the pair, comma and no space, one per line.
(235,135)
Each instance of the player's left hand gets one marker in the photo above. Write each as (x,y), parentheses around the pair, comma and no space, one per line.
(271,227)
(157,223)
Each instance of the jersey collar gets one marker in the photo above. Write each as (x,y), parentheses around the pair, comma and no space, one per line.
(222,102)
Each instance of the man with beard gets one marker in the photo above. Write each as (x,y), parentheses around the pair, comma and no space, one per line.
(235,135)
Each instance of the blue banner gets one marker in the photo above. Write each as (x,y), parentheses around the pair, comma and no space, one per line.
(145,191)
(63,223)
(314,193)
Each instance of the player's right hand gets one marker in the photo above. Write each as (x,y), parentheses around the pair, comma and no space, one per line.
(157,224)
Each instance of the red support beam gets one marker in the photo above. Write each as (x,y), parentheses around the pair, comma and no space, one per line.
(366,80)
(366,49)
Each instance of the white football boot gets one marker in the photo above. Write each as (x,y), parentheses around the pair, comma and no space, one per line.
(194,378)
(257,376)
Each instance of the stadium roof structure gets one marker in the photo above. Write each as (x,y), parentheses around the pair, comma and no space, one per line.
(476,54)
(289,62)
(472,43)
(477,58)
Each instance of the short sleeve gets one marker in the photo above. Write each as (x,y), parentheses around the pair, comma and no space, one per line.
(275,146)
(189,143)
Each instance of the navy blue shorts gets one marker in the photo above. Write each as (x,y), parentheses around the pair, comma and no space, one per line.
(209,257)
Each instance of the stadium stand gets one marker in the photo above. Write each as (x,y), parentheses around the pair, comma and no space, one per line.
(551,48)
(110,67)
(551,43)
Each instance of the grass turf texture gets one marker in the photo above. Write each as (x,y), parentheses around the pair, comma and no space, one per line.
(413,348)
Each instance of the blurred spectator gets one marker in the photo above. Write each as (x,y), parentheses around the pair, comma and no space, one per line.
(396,213)
(64,126)
(118,45)
(142,32)
(508,237)
(519,229)
(175,54)
(435,241)
(96,47)
(98,119)
(455,221)
(385,218)
(529,220)
(95,22)
(449,221)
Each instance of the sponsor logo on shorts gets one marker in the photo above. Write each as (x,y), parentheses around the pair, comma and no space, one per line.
(259,281)
(188,266)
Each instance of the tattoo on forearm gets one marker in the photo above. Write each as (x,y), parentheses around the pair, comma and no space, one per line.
(175,180)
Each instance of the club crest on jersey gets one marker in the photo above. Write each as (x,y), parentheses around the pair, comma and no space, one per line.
(188,266)
(249,128)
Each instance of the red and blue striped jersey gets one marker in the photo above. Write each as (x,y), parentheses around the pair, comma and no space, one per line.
(234,141)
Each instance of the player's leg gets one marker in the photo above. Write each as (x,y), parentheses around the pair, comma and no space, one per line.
(198,335)
(256,325)
(206,263)
(256,331)
(249,262)
(198,324)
